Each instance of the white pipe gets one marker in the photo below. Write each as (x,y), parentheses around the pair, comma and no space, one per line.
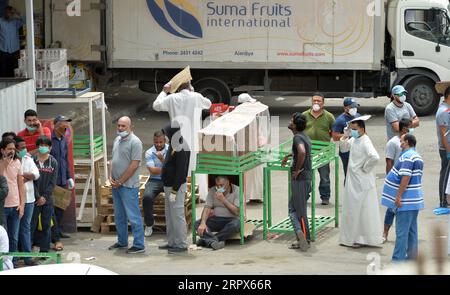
(30,39)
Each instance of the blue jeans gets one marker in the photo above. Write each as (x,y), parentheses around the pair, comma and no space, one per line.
(12,223)
(389,217)
(25,231)
(407,242)
(126,207)
(324,186)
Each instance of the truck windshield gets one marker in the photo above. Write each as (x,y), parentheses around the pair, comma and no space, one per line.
(432,25)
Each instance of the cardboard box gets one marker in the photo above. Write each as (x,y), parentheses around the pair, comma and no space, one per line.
(62,197)
(238,132)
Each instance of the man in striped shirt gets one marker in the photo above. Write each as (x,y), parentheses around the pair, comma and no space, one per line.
(403,193)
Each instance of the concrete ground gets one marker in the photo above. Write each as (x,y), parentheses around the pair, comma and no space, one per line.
(273,256)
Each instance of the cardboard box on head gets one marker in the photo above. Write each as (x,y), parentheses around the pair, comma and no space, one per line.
(179,79)
(442,86)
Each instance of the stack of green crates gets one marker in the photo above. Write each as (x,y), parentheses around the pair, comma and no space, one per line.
(82,149)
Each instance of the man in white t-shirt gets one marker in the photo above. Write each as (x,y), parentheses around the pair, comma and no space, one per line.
(30,173)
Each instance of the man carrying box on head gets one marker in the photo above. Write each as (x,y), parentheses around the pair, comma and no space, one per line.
(185,109)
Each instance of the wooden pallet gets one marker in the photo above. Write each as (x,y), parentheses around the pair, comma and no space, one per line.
(105,223)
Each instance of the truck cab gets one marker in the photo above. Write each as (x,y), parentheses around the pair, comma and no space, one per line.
(420,39)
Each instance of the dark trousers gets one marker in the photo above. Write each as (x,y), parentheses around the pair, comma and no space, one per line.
(226,227)
(152,189)
(301,190)
(344,158)
(42,238)
(443,178)
(57,218)
(8,62)
(324,185)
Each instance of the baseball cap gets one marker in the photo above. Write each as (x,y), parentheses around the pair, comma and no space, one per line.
(61,118)
(350,102)
(398,89)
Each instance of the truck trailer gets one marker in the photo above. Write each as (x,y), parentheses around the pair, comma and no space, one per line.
(356,48)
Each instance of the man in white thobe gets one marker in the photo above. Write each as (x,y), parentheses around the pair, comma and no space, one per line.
(185,110)
(253,179)
(361,224)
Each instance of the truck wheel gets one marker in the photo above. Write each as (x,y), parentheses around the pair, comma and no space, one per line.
(421,95)
(214,89)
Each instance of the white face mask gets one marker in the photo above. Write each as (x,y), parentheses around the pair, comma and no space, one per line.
(402,98)
(352,112)
(123,134)
(316,107)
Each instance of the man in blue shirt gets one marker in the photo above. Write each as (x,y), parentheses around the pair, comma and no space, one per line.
(64,179)
(350,113)
(9,41)
(402,192)
(154,157)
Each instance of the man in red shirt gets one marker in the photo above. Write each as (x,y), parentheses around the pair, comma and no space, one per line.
(33,131)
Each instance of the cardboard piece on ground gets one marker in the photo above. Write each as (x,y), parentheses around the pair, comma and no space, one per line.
(442,86)
(248,231)
(62,197)
(182,77)
(97,224)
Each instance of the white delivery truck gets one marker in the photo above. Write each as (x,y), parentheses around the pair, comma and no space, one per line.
(357,48)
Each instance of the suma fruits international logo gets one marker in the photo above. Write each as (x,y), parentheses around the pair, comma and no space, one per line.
(178,17)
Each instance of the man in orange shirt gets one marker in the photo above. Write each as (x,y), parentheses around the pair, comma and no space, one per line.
(33,131)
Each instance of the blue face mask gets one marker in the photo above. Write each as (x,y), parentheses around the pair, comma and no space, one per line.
(123,134)
(355,134)
(44,149)
(31,129)
(220,189)
(22,153)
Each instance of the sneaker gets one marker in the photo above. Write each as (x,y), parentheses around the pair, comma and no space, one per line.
(164,247)
(64,236)
(218,245)
(148,231)
(177,250)
(116,246)
(302,243)
(325,202)
(135,250)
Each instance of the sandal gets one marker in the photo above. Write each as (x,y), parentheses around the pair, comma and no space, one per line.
(58,246)
(295,245)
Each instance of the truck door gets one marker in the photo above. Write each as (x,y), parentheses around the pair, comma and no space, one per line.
(81,35)
(425,40)
(424,47)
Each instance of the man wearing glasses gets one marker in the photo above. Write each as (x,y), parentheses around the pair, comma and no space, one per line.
(397,110)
